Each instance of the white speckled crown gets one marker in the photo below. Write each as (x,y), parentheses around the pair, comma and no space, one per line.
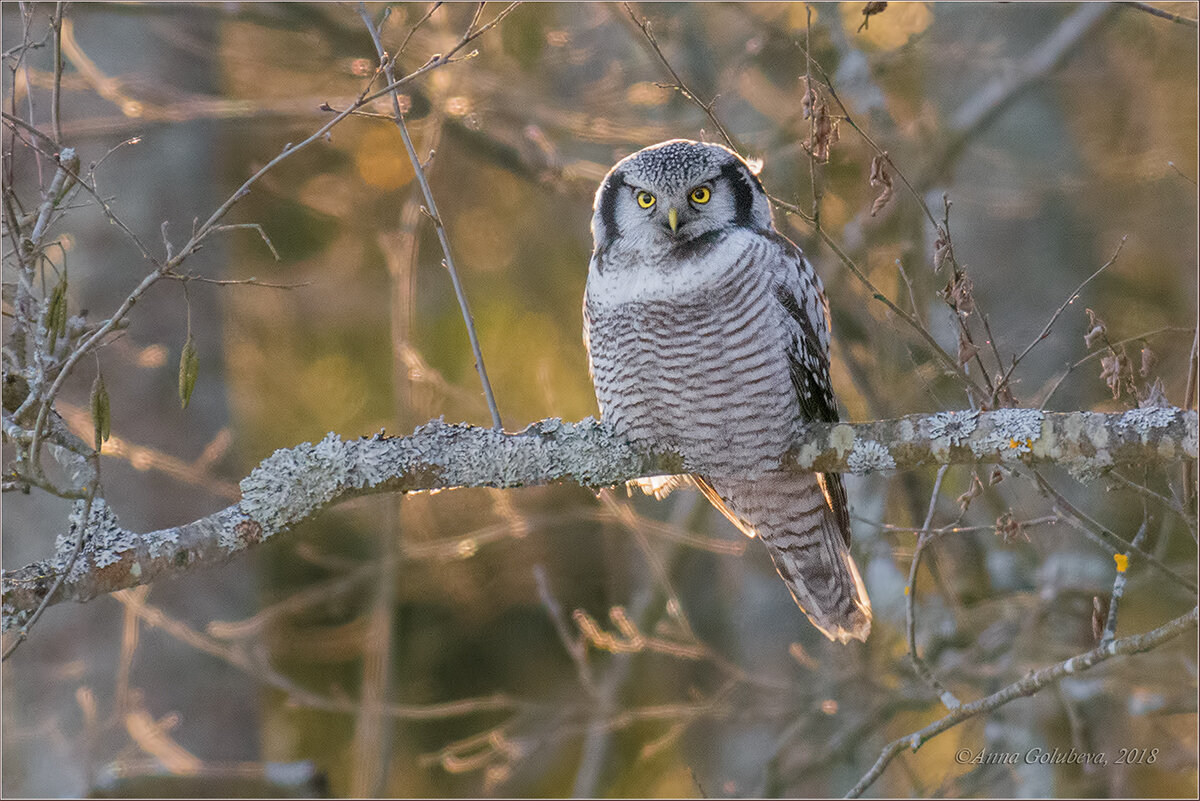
(677,164)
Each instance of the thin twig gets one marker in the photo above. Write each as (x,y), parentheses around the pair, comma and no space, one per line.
(1027,686)
(24,66)
(1181,173)
(1118,590)
(812,119)
(679,85)
(987,104)
(912,297)
(80,535)
(253,227)
(576,648)
(56,92)
(1189,393)
(189,277)
(17,122)
(1054,317)
(991,339)
(1146,492)
(1189,402)
(910,599)
(915,324)
(419,23)
(1164,14)
(1098,353)
(1107,539)
(431,206)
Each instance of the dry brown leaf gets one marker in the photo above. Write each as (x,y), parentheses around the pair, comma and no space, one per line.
(941,248)
(976,489)
(1097,328)
(824,132)
(959,293)
(870,10)
(880,176)
(1149,360)
(1115,369)
(810,97)
(966,351)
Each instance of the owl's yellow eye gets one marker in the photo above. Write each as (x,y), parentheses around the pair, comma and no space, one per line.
(701,194)
(645,199)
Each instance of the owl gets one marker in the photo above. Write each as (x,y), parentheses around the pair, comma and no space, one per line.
(707,333)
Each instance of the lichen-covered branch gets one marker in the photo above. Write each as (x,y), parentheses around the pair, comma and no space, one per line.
(294,484)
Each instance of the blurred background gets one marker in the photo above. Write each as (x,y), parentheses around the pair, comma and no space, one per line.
(548,641)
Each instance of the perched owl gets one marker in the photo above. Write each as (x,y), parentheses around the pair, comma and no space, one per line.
(708,332)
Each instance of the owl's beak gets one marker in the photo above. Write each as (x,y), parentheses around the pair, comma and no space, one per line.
(673,219)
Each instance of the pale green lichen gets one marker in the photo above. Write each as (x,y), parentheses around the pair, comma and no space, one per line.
(1012,431)
(104,542)
(955,427)
(160,543)
(291,483)
(869,455)
(1143,419)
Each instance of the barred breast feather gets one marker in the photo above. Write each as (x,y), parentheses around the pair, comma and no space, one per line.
(719,349)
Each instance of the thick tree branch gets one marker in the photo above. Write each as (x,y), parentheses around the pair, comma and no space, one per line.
(296,483)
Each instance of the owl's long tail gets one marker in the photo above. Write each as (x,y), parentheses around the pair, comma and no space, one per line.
(803,520)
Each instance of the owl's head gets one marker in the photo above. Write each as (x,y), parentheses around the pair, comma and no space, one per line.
(678,190)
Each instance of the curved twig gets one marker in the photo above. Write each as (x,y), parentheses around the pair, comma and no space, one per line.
(1025,687)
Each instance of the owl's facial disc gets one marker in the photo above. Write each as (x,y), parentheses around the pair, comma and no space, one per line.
(677,191)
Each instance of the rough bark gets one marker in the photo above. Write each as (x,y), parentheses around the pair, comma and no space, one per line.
(296,483)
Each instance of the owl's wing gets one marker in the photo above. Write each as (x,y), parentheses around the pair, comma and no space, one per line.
(800,293)
(587,338)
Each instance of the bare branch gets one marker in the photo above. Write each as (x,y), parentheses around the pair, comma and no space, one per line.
(679,85)
(1104,538)
(431,205)
(56,94)
(1025,687)
(1187,22)
(1054,317)
(1118,590)
(910,599)
(76,548)
(985,106)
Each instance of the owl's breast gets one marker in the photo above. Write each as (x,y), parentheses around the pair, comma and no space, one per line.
(703,371)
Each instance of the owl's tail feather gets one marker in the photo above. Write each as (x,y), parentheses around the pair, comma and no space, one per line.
(803,521)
